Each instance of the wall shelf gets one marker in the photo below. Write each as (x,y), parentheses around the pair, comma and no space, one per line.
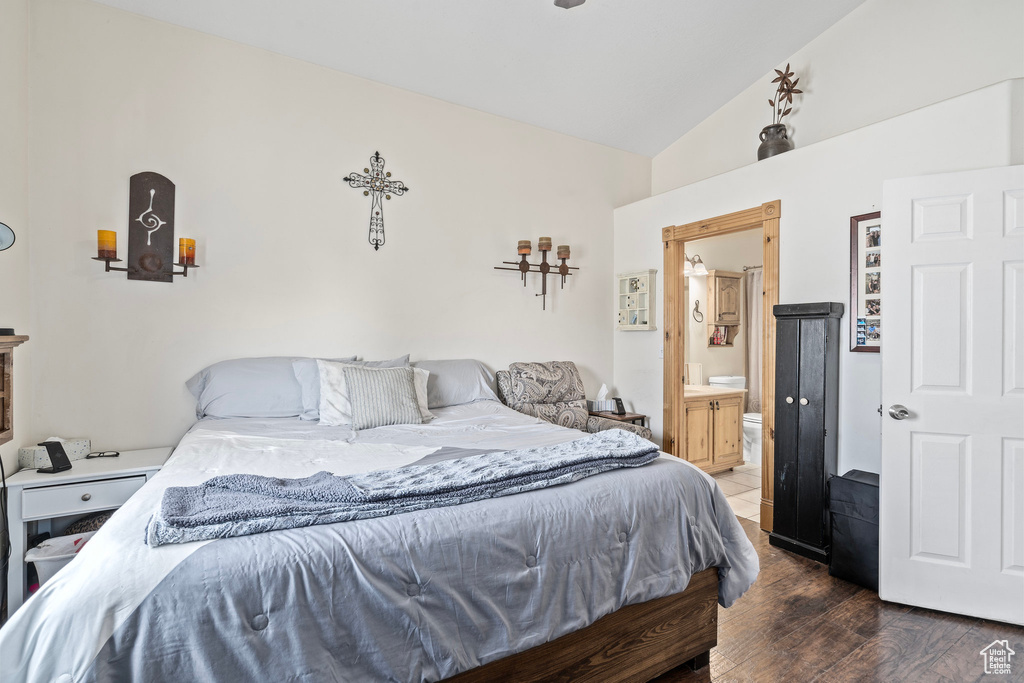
(635,300)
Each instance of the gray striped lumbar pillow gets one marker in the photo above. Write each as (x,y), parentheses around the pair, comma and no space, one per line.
(382,396)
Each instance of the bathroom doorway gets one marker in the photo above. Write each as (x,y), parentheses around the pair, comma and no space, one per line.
(721,281)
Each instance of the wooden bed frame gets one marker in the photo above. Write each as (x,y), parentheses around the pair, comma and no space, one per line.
(636,643)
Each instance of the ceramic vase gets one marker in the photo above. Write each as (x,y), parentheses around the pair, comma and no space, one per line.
(774,140)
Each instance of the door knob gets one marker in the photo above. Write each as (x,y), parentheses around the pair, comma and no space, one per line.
(898,412)
(789,399)
(803,401)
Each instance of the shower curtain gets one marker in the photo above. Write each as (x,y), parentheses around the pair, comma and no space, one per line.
(754,291)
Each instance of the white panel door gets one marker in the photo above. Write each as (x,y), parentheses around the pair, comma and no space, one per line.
(951,532)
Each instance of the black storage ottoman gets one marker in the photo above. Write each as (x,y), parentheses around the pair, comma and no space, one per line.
(853,502)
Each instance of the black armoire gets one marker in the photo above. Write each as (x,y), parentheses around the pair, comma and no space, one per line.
(806,419)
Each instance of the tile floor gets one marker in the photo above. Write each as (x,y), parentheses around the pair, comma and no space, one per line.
(742,488)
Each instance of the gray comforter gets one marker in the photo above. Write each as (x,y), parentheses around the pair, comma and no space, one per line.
(425,595)
(419,596)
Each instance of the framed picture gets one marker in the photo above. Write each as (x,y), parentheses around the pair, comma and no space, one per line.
(866,282)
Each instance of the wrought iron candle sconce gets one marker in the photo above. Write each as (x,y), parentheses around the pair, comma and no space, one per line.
(150,233)
(524,266)
(183,262)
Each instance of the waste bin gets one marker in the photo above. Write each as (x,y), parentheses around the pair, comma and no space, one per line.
(52,554)
(853,502)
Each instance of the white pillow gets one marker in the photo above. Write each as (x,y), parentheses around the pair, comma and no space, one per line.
(335,406)
(308,377)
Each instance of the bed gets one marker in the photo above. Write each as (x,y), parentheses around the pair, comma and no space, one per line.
(570,581)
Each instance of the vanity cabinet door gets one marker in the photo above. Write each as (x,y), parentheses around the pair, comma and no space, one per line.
(699,429)
(728,431)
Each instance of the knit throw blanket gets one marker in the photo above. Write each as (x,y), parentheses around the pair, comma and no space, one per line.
(243,504)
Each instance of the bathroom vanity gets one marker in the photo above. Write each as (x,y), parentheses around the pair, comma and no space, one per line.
(714,427)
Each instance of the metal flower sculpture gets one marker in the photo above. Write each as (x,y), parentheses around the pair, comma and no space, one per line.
(784,94)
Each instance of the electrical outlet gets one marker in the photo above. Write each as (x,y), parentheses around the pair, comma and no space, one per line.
(661,352)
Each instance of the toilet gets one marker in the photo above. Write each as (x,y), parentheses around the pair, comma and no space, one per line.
(751,421)
(752,438)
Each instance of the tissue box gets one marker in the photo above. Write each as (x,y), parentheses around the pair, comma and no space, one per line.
(599,406)
(34,457)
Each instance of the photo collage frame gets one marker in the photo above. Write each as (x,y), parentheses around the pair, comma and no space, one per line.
(866,282)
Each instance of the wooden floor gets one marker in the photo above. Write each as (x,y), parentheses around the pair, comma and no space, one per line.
(798,624)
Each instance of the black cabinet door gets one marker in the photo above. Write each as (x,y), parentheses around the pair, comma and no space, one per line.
(787,392)
(811,502)
(806,415)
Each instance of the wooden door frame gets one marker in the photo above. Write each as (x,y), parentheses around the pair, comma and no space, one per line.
(766,217)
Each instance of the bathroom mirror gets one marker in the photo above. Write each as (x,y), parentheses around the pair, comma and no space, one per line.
(6,237)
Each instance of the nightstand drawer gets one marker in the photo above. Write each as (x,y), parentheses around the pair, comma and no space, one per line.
(86,496)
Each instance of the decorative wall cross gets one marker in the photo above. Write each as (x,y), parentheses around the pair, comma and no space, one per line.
(376,184)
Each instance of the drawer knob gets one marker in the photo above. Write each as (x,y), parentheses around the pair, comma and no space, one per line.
(86,496)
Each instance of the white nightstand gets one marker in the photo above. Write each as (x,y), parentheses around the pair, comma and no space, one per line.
(89,486)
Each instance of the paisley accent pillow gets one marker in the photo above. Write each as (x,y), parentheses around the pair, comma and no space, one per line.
(552,382)
(551,391)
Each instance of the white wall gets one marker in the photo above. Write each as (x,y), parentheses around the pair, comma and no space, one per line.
(731,253)
(15,299)
(885,58)
(257,145)
(820,186)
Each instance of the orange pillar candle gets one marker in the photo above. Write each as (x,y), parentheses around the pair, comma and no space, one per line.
(563,251)
(544,244)
(524,247)
(186,251)
(106,244)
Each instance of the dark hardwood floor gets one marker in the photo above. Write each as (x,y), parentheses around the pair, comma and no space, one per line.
(798,624)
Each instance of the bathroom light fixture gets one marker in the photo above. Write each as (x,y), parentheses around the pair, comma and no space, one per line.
(568,4)
(694,266)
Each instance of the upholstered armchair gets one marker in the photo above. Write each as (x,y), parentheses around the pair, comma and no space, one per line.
(553,392)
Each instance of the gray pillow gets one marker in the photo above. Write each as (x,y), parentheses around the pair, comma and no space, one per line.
(454,382)
(381,396)
(308,376)
(247,387)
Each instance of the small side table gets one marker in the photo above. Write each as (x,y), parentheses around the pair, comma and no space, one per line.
(633,418)
(92,485)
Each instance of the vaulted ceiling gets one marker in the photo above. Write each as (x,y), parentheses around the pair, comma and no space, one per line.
(631,74)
